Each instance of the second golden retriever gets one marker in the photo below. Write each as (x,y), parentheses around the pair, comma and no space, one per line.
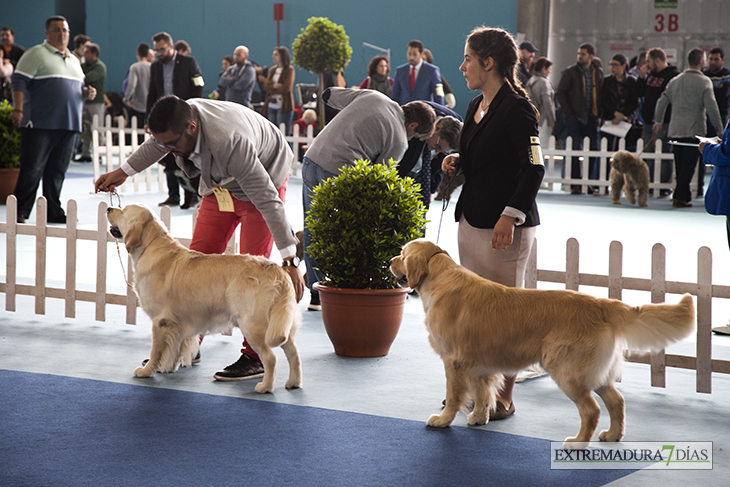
(187,294)
(482,330)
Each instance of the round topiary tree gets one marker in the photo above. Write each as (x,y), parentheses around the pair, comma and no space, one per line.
(322,47)
(359,220)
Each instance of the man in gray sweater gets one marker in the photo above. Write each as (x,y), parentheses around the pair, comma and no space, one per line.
(692,100)
(243,162)
(369,126)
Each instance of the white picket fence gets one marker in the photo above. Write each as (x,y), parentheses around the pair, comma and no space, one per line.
(615,283)
(115,151)
(556,159)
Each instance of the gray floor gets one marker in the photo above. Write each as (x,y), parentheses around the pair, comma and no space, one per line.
(409,383)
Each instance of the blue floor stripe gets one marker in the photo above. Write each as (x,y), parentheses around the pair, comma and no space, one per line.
(67,431)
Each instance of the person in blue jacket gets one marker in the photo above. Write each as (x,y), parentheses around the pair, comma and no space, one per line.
(719,156)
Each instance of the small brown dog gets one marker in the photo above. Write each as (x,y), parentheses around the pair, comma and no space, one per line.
(629,170)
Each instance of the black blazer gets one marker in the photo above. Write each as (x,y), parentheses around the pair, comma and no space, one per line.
(184,77)
(496,157)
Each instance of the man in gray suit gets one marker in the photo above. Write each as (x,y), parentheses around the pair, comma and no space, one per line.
(243,158)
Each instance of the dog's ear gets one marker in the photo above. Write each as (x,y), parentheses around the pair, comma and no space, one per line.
(416,268)
(133,236)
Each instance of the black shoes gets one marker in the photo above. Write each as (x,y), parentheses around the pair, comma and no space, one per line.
(314,303)
(681,204)
(243,369)
(190,202)
(169,202)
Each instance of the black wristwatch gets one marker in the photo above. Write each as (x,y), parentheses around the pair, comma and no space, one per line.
(293,262)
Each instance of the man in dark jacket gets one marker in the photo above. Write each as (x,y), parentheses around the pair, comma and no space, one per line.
(579,94)
(655,76)
(720,77)
(174,74)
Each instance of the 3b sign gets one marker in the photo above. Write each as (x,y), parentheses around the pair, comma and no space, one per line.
(668,23)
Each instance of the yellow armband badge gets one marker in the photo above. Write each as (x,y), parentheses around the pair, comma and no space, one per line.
(225,200)
(536,151)
(198,81)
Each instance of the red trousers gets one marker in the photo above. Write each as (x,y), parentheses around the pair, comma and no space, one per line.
(214,228)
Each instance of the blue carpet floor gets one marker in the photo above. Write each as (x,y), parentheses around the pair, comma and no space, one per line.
(65,431)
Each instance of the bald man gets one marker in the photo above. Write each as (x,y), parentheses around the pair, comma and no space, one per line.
(239,79)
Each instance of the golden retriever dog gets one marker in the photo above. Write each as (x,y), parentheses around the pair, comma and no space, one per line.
(188,293)
(482,330)
(630,174)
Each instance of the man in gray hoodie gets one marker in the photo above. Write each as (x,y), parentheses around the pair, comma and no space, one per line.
(692,99)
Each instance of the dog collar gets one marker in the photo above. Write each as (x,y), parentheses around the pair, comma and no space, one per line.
(435,254)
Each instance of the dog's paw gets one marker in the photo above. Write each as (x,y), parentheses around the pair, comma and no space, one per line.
(574,444)
(608,435)
(474,420)
(293,384)
(616,202)
(435,421)
(143,372)
(263,388)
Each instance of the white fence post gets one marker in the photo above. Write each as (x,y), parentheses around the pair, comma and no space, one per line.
(71,240)
(704,320)
(658,293)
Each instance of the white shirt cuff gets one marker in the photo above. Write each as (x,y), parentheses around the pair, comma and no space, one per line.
(128,170)
(288,252)
(514,213)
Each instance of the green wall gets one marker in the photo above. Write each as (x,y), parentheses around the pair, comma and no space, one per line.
(215,27)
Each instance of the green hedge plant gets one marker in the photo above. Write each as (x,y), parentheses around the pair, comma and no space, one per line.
(359,220)
(9,138)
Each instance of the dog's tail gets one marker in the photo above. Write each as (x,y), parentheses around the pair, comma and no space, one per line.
(284,318)
(654,326)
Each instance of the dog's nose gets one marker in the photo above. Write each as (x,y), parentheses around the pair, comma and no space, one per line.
(109,210)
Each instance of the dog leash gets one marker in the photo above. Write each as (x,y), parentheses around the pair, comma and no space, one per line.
(445,203)
(651,141)
(113,193)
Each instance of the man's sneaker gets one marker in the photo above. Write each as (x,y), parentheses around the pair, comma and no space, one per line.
(314,304)
(245,368)
(195,361)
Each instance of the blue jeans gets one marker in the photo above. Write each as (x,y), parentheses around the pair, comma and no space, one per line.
(276,117)
(312,176)
(577,131)
(43,154)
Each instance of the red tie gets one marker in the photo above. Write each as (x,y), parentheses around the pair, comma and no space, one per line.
(413,77)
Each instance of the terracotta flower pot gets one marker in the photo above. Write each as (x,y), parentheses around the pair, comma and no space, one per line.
(362,322)
(8,178)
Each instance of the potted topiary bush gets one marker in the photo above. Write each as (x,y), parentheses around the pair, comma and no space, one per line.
(359,220)
(322,47)
(9,152)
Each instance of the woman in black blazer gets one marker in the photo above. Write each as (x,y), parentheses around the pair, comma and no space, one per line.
(502,162)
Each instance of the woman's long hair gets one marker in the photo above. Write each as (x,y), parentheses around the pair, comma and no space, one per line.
(284,56)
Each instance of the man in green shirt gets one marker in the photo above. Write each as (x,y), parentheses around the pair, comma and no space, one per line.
(94,75)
